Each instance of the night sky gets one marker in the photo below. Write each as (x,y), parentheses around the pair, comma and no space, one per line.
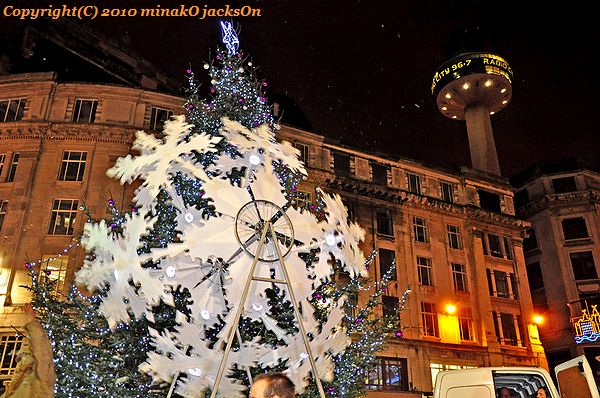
(361,70)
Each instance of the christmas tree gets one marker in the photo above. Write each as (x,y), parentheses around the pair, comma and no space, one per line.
(216,267)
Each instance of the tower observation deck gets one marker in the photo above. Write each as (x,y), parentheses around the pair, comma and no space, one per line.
(471,87)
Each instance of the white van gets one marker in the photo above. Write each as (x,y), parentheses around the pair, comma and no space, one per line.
(574,377)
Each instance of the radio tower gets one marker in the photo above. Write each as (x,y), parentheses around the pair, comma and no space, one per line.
(471,87)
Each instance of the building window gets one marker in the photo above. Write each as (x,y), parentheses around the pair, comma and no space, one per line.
(10,344)
(62,219)
(459,275)
(530,242)
(454,237)
(425,271)
(429,318)
(12,110)
(489,201)
(341,165)
(303,148)
(2,159)
(494,245)
(84,111)
(385,225)
(574,228)
(379,173)
(583,265)
(563,185)
(388,374)
(158,117)
(501,280)
(447,191)
(54,269)
(3,210)
(465,324)
(414,183)
(506,328)
(390,306)
(514,286)
(12,170)
(507,249)
(386,262)
(72,166)
(420,230)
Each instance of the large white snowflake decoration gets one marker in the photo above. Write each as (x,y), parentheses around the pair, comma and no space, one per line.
(162,158)
(115,262)
(258,148)
(254,228)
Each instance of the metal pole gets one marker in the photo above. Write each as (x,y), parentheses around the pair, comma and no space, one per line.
(299,317)
(239,311)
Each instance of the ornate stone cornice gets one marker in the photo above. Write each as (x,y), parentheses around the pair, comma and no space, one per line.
(558,200)
(67,132)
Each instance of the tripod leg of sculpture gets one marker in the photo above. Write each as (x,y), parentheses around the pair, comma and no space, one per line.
(239,311)
(173,385)
(298,316)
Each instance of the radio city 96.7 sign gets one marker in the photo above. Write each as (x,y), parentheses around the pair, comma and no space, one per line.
(470,63)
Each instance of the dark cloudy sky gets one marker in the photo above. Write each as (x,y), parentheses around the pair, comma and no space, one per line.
(361,69)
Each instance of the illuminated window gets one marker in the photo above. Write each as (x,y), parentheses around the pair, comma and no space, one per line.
(385,226)
(12,110)
(465,324)
(158,117)
(12,170)
(424,271)
(3,210)
(388,374)
(379,173)
(390,306)
(414,183)
(62,218)
(420,230)
(429,319)
(10,344)
(454,237)
(2,159)
(583,265)
(303,148)
(54,269)
(459,275)
(84,111)
(386,261)
(72,166)
(447,191)
(574,228)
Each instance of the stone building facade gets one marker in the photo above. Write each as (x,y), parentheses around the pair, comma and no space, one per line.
(562,202)
(453,234)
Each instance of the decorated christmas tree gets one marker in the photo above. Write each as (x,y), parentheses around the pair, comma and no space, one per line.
(216,275)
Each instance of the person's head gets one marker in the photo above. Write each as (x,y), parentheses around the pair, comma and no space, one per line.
(272,385)
(542,392)
(506,392)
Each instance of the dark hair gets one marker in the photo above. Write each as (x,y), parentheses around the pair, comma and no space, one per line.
(278,384)
(545,390)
